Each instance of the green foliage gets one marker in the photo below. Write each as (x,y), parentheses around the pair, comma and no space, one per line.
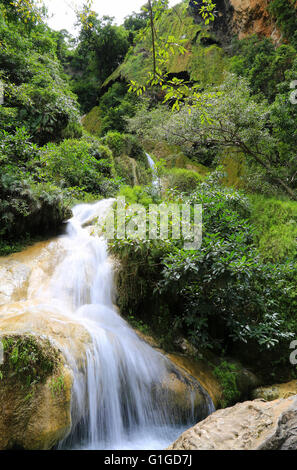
(125,144)
(29,209)
(116,142)
(139,325)
(264,65)
(284,12)
(226,374)
(82,163)
(116,106)
(283,118)
(218,296)
(9,247)
(73,130)
(16,148)
(183,180)
(30,12)
(137,195)
(275,221)
(101,46)
(27,360)
(147,119)
(236,120)
(57,385)
(37,95)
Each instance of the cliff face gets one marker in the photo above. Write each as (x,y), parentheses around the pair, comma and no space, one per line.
(243,18)
(206,45)
(252,17)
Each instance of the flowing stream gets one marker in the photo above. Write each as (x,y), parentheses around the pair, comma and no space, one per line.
(119,397)
(125,394)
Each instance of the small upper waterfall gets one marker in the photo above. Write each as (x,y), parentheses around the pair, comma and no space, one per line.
(152,167)
(119,398)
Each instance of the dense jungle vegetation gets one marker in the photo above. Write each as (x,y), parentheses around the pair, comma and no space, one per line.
(222,132)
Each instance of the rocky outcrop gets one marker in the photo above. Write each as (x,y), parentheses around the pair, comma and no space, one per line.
(184,395)
(274,392)
(252,17)
(243,18)
(252,425)
(35,392)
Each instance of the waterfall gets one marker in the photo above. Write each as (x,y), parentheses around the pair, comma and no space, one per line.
(152,167)
(119,400)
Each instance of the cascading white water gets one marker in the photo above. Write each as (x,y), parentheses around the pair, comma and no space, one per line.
(119,399)
(152,166)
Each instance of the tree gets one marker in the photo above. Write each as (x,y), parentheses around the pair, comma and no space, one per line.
(236,120)
(176,90)
(262,63)
(101,48)
(37,95)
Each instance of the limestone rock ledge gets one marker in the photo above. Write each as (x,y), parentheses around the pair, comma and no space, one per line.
(276,391)
(252,425)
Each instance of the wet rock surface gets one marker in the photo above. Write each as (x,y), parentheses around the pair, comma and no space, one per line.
(252,425)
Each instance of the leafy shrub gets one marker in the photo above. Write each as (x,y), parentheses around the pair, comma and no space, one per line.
(276,227)
(79,163)
(226,374)
(125,144)
(28,360)
(137,195)
(264,65)
(27,208)
(183,180)
(220,296)
(116,142)
(16,148)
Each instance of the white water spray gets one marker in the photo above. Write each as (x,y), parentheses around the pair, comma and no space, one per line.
(152,165)
(119,397)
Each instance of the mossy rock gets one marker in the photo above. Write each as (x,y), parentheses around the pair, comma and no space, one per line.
(173,156)
(234,165)
(275,221)
(131,171)
(92,121)
(35,394)
(182,179)
(275,392)
(236,381)
(206,64)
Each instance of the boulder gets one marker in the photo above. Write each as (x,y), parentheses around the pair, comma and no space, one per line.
(274,392)
(252,425)
(35,401)
(202,370)
(184,395)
